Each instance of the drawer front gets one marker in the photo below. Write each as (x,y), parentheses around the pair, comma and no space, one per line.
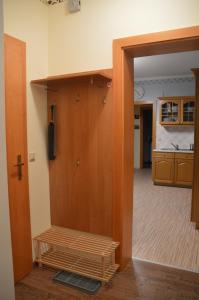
(163,154)
(184,155)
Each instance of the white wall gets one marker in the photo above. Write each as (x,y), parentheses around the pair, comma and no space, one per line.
(182,135)
(83,41)
(58,42)
(28,21)
(6,268)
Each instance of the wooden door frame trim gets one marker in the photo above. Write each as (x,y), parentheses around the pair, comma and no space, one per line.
(141,137)
(152,105)
(195,189)
(124,50)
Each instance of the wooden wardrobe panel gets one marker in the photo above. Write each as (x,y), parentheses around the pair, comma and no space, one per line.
(80,176)
(69,195)
(100,159)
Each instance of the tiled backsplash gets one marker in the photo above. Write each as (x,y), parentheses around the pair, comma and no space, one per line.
(181,135)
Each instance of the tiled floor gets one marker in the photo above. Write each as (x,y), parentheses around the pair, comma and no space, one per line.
(162,231)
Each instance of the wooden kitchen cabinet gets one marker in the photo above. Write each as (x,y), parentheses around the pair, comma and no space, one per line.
(184,172)
(183,169)
(173,168)
(177,110)
(188,111)
(163,168)
(170,113)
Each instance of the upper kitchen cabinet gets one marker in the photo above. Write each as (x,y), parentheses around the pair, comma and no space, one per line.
(170,111)
(177,110)
(188,111)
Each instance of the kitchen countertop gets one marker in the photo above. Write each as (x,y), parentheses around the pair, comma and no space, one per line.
(173,150)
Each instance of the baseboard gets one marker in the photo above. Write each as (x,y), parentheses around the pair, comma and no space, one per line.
(164,265)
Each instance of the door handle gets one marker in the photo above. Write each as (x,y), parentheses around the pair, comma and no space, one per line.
(19,166)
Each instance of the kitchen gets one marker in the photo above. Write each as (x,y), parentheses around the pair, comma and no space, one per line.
(173,165)
(163,160)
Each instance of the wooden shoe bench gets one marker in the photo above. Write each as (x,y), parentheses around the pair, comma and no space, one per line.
(82,253)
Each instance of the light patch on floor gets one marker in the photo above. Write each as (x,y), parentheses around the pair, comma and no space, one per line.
(162,231)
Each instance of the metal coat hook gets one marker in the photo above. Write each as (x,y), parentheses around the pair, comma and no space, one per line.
(109,84)
(50,90)
(104,101)
(77,163)
(52,112)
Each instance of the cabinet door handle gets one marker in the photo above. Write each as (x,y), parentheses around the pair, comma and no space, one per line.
(19,166)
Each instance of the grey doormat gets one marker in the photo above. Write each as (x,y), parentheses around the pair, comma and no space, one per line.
(85,284)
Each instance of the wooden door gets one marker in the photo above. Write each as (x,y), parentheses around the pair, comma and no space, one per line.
(184,172)
(163,170)
(16,135)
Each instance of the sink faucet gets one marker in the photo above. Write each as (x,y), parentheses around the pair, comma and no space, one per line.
(175,146)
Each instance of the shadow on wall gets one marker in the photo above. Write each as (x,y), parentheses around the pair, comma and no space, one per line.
(38,109)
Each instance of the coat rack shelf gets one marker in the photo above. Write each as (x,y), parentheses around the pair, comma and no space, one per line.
(80,138)
(105,74)
(86,254)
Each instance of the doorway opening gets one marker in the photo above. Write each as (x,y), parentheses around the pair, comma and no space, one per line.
(146,138)
(124,50)
(144,133)
(167,194)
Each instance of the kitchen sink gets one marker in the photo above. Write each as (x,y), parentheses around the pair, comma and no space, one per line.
(167,149)
(173,149)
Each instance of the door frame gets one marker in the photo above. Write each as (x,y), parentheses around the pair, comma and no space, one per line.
(195,189)
(144,105)
(124,51)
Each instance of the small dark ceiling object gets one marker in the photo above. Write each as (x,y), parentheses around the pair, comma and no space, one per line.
(51,2)
(74,6)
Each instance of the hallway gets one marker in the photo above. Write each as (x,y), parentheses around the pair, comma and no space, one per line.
(162,231)
(139,281)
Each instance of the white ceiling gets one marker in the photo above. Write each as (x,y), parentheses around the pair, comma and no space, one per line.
(167,65)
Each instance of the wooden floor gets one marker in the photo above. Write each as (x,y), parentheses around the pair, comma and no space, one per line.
(140,280)
(162,231)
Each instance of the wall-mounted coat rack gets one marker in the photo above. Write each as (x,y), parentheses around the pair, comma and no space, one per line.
(81,174)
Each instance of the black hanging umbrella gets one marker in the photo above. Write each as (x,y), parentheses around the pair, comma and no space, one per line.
(51,135)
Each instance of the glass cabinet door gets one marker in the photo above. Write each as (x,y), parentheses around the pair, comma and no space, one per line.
(170,112)
(188,111)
